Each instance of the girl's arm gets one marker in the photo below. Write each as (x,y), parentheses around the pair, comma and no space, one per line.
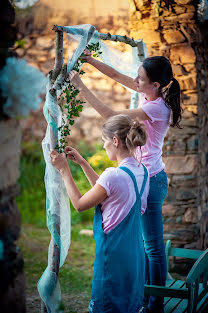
(81,203)
(112,73)
(74,156)
(104,110)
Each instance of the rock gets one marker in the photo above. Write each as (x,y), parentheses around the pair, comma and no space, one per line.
(178,70)
(192,108)
(183,180)
(189,98)
(185,194)
(174,37)
(183,16)
(190,216)
(190,68)
(21,52)
(182,53)
(183,2)
(191,122)
(187,82)
(36,53)
(42,59)
(192,143)
(148,36)
(179,9)
(45,42)
(86,232)
(180,164)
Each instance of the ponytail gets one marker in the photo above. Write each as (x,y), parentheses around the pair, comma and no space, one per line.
(158,69)
(171,96)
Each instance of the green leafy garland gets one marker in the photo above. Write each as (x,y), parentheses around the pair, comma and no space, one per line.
(70,102)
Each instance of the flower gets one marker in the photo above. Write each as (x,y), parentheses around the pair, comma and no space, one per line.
(21,85)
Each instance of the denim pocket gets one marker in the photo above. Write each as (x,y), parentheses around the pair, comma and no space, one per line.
(162,183)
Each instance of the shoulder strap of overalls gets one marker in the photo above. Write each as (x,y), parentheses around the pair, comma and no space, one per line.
(125,169)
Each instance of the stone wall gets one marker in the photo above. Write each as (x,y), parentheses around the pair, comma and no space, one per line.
(169,28)
(201,51)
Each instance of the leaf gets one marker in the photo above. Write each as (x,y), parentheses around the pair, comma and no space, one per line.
(79,108)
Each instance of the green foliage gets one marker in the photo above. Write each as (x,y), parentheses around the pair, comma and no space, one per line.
(31,201)
(20,43)
(70,102)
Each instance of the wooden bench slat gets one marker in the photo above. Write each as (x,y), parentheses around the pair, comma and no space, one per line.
(174,284)
(159,291)
(203,303)
(170,282)
(172,305)
(202,292)
(182,307)
(185,253)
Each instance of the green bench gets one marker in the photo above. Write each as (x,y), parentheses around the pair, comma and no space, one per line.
(188,296)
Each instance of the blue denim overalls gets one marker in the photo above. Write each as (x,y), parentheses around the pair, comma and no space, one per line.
(119,267)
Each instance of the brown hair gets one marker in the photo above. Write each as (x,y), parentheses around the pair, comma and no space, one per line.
(158,69)
(131,132)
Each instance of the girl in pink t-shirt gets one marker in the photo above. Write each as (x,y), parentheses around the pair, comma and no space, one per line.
(160,102)
(119,267)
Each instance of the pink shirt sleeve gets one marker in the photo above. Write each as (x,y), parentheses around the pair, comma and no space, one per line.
(156,110)
(105,180)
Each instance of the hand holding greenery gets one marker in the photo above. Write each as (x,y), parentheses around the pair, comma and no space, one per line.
(69,100)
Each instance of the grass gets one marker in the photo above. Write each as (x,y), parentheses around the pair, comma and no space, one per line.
(75,276)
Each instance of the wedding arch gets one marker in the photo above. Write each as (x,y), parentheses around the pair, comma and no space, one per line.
(57,202)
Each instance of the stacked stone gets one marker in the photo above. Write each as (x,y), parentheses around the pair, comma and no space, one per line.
(169,29)
(201,50)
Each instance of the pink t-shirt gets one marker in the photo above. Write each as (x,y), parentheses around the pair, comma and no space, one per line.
(121,193)
(156,128)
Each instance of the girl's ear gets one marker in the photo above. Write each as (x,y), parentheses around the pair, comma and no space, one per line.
(116,141)
(156,85)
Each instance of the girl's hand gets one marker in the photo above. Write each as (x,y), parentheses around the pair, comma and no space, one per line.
(59,161)
(73,155)
(87,56)
(75,80)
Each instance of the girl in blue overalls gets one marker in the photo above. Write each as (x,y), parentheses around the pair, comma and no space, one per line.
(120,196)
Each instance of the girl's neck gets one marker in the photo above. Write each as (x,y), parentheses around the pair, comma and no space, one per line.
(123,155)
(152,97)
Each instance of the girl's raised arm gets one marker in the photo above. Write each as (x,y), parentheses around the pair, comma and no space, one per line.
(104,110)
(81,203)
(112,73)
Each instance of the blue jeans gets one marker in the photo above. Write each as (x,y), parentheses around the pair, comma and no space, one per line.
(152,229)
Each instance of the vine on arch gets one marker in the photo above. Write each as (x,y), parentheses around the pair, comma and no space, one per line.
(69,101)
